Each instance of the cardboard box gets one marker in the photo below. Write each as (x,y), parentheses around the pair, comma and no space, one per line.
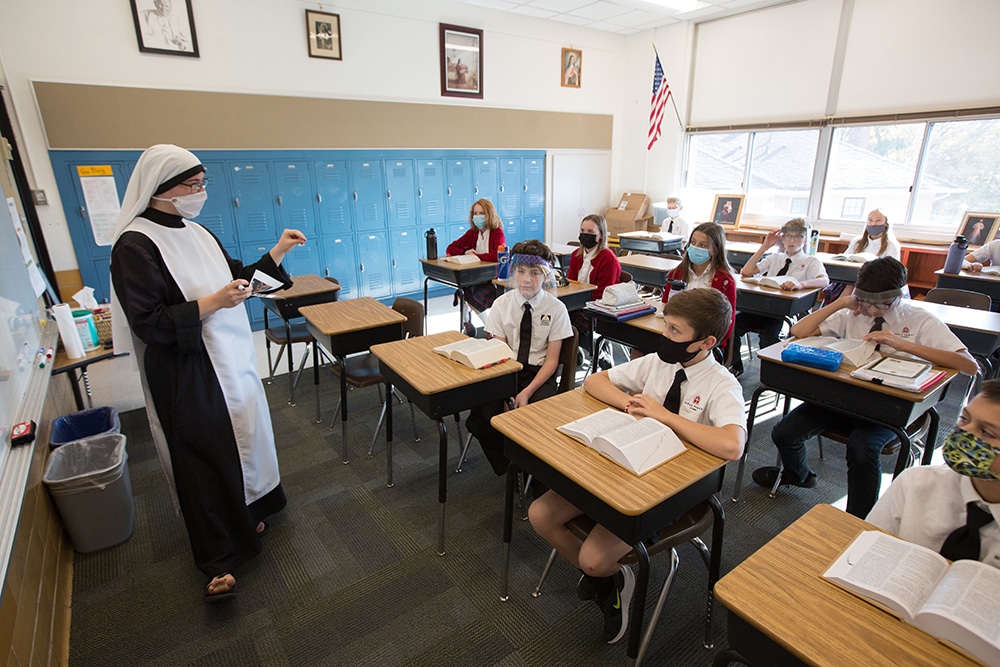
(629,215)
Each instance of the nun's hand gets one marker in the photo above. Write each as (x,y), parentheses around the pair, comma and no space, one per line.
(231,295)
(289,239)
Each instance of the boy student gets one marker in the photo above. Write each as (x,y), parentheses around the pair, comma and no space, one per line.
(873,312)
(955,514)
(683,386)
(675,224)
(791,261)
(534,323)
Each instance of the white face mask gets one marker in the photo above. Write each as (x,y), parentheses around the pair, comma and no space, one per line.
(188,206)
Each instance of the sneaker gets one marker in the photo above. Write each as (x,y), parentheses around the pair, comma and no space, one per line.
(605,359)
(584,589)
(765,477)
(615,605)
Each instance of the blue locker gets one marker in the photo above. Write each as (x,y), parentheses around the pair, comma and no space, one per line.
(455,232)
(401,193)
(533,228)
(340,262)
(374,263)
(511,188)
(369,194)
(459,189)
(217,214)
(430,192)
(253,198)
(304,259)
(294,196)
(533,198)
(334,197)
(513,231)
(407,248)
(251,253)
(486,182)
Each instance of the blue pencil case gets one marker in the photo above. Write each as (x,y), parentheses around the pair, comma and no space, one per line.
(814,357)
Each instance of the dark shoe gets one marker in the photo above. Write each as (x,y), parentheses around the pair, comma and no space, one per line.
(765,477)
(584,589)
(470,330)
(615,605)
(737,371)
(454,301)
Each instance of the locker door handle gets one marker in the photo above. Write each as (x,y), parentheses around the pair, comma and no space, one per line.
(355,195)
(525,187)
(326,272)
(236,200)
(394,263)
(388,194)
(501,188)
(319,198)
(362,267)
(449,190)
(477,190)
(83,213)
(420,192)
(279,200)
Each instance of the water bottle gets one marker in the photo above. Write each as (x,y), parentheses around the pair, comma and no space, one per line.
(503,262)
(956,253)
(675,287)
(813,241)
(432,244)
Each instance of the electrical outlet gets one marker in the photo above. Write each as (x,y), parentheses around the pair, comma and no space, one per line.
(40,198)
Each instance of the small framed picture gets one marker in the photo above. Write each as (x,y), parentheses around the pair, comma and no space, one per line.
(979,228)
(323,35)
(727,210)
(461,61)
(165,26)
(572,64)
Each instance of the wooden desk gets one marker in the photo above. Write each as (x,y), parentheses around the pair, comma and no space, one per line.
(773,302)
(839,270)
(642,333)
(348,327)
(979,330)
(306,290)
(655,243)
(858,399)
(458,276)
(630,506)
(574,296)
(63,364)
(649,270)
(782,611)
(984,283)
(562,251)
(439,387)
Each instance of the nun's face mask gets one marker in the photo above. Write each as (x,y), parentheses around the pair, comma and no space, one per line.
(187,197)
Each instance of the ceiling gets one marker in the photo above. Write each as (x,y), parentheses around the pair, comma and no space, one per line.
(625,17)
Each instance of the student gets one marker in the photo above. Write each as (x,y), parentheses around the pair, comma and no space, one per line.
(705,265)
(873,312)
(791,261)
(928,504)
(530,267)
(483,238)
(593,262)
(704,407)
(675,224)
(877,239)
(976,259)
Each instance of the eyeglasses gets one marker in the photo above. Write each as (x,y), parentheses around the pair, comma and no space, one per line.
(882,305)
(197,186)
(792,237)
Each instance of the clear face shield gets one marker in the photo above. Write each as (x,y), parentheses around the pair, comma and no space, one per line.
(793,238)
(877,303)
(529,274)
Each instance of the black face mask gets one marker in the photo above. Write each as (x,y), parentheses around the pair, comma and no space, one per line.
(588,241)
(673,352)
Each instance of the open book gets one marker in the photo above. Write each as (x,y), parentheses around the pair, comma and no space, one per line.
(991,270)
(773,281)
(906,374)
(477,352)
(461,259)
(861,257)
(856,352)
(638,445)
(958,603)
(262,284)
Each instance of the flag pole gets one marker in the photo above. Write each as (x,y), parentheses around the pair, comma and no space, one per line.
(673,101)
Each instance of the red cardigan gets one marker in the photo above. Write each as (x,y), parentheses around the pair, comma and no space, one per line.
(467,241)
(722,281)
(605,270)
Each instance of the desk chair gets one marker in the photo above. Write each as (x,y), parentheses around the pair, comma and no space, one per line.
(688,528)
(966,299)
(363,369)
(279,336)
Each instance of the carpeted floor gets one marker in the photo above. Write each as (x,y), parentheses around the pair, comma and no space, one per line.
(349,574)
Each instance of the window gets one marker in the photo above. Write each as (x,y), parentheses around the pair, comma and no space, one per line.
(800,206)
(781,170)
(853,208)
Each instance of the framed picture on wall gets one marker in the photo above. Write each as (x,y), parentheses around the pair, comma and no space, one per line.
(461,61)
(165,26)
(323,35)
(572,66)
(727,210)
(979,228)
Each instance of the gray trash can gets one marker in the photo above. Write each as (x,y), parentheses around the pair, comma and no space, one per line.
(89,482)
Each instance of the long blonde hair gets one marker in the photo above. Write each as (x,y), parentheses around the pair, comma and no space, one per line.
(602,226)
(492,219)
(863,241)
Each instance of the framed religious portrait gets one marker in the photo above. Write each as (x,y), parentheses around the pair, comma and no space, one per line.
(165,26)
(571,67)
(323,35)
(727,210)
(979,228)
(461,61)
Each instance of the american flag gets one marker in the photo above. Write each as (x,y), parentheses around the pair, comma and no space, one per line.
(661,93)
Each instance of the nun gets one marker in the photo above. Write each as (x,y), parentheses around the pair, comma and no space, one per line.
(177,303)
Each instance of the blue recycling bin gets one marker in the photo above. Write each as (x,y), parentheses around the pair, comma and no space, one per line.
(84,424)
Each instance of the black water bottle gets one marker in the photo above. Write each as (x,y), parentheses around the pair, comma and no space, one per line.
(432,244)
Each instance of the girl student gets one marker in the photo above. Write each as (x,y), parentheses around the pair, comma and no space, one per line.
(595,263)
(877,240)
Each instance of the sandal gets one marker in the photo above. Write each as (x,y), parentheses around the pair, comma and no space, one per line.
(228,594)
(262,528)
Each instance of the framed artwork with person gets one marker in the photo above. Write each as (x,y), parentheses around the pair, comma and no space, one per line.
(572,64)
(727,210)
(979,228)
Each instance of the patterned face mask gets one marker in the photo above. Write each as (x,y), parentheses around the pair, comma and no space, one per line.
(968,455)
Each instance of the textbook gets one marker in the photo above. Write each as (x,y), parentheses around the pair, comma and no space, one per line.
(621,313)
(906,374)
(477,352)
(638,445)
(991,270)
(856,352)
(957,603)
(461,259)
(772,281)
(861,257)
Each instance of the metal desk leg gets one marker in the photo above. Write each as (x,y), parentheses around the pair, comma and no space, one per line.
(638,604)
(74,383)
(426,280)
(86,386)
(315,344)
(442,479)
(754,399)
(291,362)
(904,450)
(715,566)
(461,310)
(508,526)
(343,406)
(388,435)
(932,432)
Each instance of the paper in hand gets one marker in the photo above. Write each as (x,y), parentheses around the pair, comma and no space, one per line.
(261,284)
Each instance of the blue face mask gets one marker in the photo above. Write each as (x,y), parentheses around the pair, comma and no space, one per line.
(697,255)
(479,221)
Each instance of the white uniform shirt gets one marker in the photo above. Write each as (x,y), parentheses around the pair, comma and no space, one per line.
(907,322)
(549,321)
(704,280)
(483,242)
(926,503)
(803,267)
(681,228)
(586,267)
(990,251)
(873,246)
(711,395)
